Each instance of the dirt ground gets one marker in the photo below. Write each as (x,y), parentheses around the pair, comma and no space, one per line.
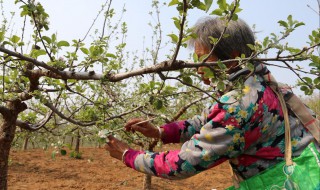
(35,170)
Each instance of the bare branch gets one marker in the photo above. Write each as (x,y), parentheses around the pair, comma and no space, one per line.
(94,21)
(174,78)
(56,111)
(105,19)
(184,15)
(236,3)
(184,109)
(123,114)
(40,36)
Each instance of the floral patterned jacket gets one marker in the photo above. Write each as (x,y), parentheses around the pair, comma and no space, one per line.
(249,131)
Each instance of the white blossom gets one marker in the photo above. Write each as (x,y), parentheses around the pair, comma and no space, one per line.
(103,133)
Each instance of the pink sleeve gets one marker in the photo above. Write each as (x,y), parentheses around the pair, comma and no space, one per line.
(172,133)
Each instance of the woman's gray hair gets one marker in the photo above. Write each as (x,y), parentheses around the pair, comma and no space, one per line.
(239,35)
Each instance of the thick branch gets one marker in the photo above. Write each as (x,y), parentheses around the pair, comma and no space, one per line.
(55,73)
(163,66)
(4,111)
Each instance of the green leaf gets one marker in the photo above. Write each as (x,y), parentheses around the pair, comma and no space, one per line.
(202,6)
(222,4)
(265,41)
(234,17)
(7,43)
(173,2)
(174,38)
(316,80)
(293,50)
(308,80)
(283,23)
(217,12)
(63,43)
(208,4)
(186,39)
(213,40)
(21,44)
(299,24)
(158,104)
(221,65)
(250,66)
(36,53)
(53,37)
(6,78)
(47,39)
(177,24)
(251,47)
(111,55)
(15,39)
(221,86)
(1,36)
(79,88)
(226,35)
(195,57)
(202,57)
(290,21)
(24,13)
(237,10)
(187,80)
(207,72)
(84,50)
(315,33)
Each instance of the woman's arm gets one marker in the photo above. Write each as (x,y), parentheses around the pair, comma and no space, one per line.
(181,131)
(221,137)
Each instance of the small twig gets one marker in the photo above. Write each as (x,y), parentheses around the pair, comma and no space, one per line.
(145,121)
(23,30)
(105,19)
(222,33)
(94,21)
(297,74)
(184,15)
(141,122)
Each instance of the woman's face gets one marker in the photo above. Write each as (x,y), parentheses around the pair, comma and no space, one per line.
(201,50)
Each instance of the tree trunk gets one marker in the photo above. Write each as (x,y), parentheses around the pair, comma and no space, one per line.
(25,143)
(71,142)
(147,177)
(77,142)
(7,132)
(8,119)
(147,182)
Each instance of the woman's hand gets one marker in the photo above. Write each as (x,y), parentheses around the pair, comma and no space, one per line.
(147,129)
(116,147)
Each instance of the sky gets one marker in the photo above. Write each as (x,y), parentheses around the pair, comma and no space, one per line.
(71,19)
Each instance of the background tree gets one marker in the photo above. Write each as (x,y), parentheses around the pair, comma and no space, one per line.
(51,85)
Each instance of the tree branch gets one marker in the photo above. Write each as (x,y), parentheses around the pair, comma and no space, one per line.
(163,66)
(56,111)
(123,114)
(34,127)
(184,109)
(184,15)
(4,111)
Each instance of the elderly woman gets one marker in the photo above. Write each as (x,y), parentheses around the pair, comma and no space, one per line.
(248,131)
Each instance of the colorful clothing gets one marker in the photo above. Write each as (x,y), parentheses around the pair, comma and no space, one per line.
(249,130)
